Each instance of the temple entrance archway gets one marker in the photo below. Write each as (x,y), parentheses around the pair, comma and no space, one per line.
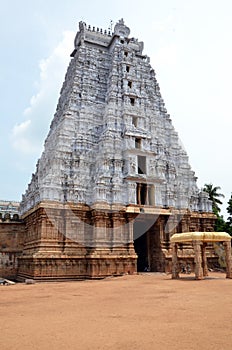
(141,249)
(147,243)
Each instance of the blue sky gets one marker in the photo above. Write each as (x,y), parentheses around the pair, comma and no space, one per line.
(190,46)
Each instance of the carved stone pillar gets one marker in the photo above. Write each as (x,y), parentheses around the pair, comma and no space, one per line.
(161,226)
(118,229)
(139,193)
(100,238)
(130,229)
(204,260)
(185,223)
(175,264)
(147,194)
(227,246)
(198,260)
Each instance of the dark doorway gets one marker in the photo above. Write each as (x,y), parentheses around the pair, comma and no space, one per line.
(142,224)
(140,245)
(147,243)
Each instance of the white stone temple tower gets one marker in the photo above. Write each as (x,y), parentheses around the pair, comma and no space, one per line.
(113,175)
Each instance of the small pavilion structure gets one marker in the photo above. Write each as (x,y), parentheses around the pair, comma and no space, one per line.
(199,241)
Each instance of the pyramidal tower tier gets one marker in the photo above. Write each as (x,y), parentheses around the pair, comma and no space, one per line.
(113,182)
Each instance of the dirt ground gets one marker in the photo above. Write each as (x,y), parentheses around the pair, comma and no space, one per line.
(146,311)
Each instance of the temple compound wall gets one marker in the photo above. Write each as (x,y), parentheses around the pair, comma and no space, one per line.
(11,244)
(113,182)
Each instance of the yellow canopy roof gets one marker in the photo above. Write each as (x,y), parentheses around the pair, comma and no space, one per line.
(200,236)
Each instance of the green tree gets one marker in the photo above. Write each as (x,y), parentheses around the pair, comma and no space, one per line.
(214,197)
(229,219)
(220,224)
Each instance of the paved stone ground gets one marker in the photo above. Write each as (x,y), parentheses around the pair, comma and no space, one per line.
(147,311)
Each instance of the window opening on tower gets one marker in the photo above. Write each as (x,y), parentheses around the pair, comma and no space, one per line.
(138,143)
(145,194)
(142,165)
(132,101)
(135,121)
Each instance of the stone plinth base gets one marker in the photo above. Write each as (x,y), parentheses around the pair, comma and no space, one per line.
(48,269)
(74,241)
(67,242)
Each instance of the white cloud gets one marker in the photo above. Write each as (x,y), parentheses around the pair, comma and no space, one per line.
(19,137)
(27,137)
(19,129)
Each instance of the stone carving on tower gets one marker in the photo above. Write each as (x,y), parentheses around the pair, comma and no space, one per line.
(111,155)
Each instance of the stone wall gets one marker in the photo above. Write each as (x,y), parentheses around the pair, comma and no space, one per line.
(74,242)
(56,243)
(11,246)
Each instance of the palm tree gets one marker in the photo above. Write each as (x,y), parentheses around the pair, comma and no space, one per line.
(214,196)
(229,218)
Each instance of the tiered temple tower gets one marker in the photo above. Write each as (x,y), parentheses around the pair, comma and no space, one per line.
(113,182)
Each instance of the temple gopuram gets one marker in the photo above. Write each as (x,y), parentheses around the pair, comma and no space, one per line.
(113,183)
